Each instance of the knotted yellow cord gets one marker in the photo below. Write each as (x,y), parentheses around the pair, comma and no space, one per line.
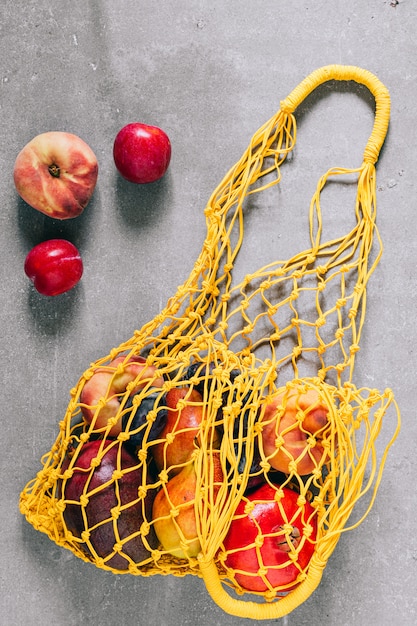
(290,327)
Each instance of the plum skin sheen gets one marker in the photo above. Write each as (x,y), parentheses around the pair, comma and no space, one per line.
(100,504)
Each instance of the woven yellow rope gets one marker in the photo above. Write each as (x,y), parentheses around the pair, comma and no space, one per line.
(254,361)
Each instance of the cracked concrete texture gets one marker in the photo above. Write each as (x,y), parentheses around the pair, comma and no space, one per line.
(210,75)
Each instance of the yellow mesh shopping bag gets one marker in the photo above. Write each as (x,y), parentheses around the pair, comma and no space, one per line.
(227,438)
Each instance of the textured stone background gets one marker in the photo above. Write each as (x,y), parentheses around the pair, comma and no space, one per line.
(209,73)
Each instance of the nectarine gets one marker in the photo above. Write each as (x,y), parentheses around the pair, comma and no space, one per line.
(294,424)
(185,413)
(56,173)
(108,383)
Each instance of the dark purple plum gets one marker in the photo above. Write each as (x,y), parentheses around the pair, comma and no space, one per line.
(103,492)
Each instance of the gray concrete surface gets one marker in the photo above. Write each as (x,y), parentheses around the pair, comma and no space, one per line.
(209,73)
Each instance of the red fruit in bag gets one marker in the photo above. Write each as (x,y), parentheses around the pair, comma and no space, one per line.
(88,484)
(270,543)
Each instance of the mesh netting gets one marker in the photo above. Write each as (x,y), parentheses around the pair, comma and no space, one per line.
(227,438)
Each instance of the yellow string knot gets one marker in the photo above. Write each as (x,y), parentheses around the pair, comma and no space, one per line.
(311,441)
(258,428)
(265,466)
(287,529)
(292,555)
(163,476)
(151,416)
(95,462)
(143,455)
(53,512)
(321,321)
(84,500)
(317,471)
(115,513)
(249,506)
(142,491)
(352,313)
(210,288)
(156,555)
(262,572)
(287,106)
(279,442)
(279,494)
(292,467)
(88,374)
(270,595)
(170,437)
(370,155)
(174,512)
(60,506)
(308,530)
(132,568)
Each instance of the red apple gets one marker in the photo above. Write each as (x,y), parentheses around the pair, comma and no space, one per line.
(54,266)
(271,539)
(100,396)
(56,173)
(141,152)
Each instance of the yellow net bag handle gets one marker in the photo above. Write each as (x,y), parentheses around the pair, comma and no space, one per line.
(358,75)
(208,568)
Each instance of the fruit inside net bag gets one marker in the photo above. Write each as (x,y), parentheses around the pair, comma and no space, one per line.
(227,438)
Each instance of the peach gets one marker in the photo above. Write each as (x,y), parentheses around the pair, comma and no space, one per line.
(294,425)
(56,173)
(185,414)
(174,509)
(173,514)
(107,384)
